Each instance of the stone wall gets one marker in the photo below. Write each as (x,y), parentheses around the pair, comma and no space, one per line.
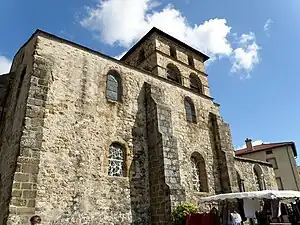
(4,83)
(245,169)
(69,124)
(16,184)
(79,126)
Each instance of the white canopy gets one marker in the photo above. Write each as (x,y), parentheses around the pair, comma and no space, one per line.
(267,194)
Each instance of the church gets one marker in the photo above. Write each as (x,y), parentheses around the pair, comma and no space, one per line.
(89,139)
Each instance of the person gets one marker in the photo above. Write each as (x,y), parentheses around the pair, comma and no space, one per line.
(35,220)
(236,219)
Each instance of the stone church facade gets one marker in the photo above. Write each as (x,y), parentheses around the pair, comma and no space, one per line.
(88,139)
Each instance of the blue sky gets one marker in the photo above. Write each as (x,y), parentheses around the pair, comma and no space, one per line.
(258,96)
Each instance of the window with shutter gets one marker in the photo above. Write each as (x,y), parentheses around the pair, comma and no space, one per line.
(190,110)
(113,86)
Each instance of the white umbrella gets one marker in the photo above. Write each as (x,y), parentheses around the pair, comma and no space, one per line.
(267,194)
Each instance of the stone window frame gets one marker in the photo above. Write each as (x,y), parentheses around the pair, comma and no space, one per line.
(173,52)
(119,91)
(195,83)
(198,165)
(240,180)
(190,111)
(173,74)
(258,177)
(191,61)
(127,158)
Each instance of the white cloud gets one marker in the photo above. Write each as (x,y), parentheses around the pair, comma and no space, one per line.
(116,26)
(4,65)
(267,26)
(245,57)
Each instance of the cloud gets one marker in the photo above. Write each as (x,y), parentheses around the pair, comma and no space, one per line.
(5,64)
(245,57)
(267,26)
(115,26)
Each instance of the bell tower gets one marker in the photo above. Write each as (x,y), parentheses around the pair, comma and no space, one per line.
(167,57)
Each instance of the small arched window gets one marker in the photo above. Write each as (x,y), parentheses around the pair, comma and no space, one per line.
(191,61)
(116,160)
(113,86)
(190,110)
(240,182)
(173,52)
(141,56)
(199,176)
(259,178)
(173,73)
(195,83)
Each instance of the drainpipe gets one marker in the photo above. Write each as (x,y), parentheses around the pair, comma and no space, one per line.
(287,150)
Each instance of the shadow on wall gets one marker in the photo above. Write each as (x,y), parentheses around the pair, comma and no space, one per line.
(216,155)
(139,177)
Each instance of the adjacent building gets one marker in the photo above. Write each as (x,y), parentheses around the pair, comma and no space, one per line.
(88,139)
(282,156)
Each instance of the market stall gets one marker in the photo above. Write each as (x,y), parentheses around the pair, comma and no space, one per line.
(261,207)
(267,194)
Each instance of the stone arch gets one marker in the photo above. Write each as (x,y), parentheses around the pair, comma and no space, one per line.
(240,179)
(195,83)
(259,177)
(199,174)
(126,154)
(173,73)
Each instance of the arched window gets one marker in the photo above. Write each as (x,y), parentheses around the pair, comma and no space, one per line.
(173,73)
(116,160)
(191,61)
(195,83)
(190,110)
(113,86)
(199,177)
(259,178)
(173,52)
(240,182)
(141,56)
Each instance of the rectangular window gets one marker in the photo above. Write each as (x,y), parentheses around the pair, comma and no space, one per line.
(273,162)
(191,61)
(279,183)
(269,152)
(173,52)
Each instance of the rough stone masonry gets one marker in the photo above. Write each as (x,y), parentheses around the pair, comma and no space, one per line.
(58,123)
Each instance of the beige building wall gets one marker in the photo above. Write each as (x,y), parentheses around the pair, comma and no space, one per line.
(284,165)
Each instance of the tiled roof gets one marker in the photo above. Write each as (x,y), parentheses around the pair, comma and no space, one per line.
(264,147)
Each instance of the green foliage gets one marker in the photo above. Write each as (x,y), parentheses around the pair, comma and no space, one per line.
(180,212)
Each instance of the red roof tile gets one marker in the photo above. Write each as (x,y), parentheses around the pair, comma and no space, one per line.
(263,147)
